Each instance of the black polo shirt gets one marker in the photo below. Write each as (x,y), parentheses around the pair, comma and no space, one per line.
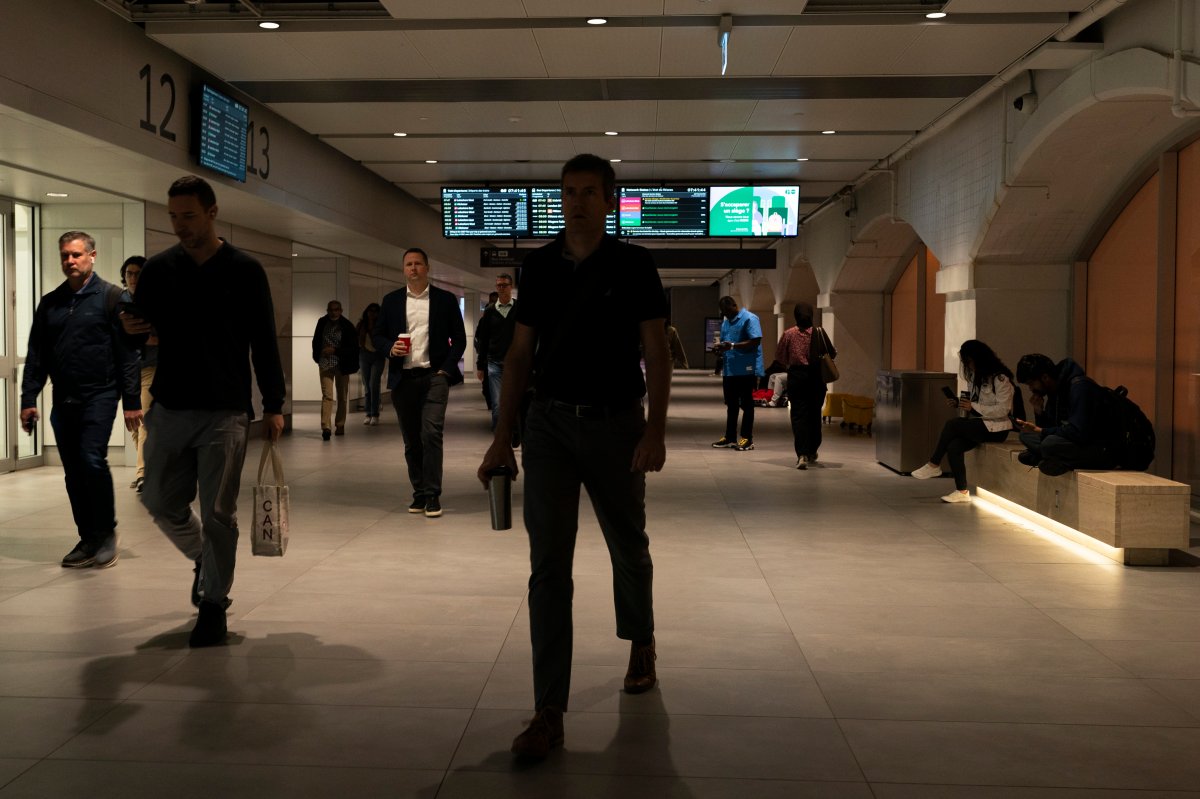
(587,320)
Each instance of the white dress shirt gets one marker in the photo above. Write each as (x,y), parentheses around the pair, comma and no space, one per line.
(417,312)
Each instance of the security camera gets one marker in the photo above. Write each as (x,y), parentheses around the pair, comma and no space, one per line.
(1026,103)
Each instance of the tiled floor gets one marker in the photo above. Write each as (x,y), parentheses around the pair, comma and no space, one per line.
(837,632)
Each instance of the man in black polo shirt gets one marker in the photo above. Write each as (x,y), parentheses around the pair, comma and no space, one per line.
(587,302)
(493,335)
(210,306)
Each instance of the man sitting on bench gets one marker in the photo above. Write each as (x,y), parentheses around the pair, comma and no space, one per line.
(1069,430)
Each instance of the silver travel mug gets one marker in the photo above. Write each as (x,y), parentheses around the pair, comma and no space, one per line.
(963,413)
(500,497)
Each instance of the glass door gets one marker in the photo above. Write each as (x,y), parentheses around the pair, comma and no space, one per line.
(19,286)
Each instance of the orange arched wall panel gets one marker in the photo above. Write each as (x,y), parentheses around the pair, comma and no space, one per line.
(1186,466)
(1121,277)
(935,316)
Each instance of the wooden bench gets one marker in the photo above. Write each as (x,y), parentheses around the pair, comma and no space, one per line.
(1140,516)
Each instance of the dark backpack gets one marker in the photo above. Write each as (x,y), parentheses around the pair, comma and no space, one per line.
(1132,434)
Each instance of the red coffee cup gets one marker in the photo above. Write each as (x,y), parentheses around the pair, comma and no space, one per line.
(405,342)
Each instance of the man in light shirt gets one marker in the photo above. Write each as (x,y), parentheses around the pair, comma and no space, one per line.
(421,329)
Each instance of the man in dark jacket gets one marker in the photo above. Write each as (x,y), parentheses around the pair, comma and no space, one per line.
(492,339)
(75,340)
(421,328)
(1069,430)
(210,306)
(335,351)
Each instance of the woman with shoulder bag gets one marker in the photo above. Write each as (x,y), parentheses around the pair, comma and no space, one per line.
(802,349)
(985,416)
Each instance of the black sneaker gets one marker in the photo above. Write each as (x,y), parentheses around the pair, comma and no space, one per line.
(140,485)
(743,445)
(433,508)
(418,505)
(724,443)
(106,553)
(1029,458)
(326,434)
(210,629)
(82,556)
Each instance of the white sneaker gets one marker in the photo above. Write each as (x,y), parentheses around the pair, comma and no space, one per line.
(957,496)
(367,420)
(927,471)
(802,462)
(374,421)
(772,403)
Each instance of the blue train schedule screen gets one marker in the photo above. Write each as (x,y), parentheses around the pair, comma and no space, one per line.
(485,213)
(223,124)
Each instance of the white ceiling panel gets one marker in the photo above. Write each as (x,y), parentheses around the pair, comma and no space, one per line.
(888,113)
(636,148)
(601,53)
(971,49)
(484,149)
(694,51)
(438,174)
(715,115)
(770,147)
(693,148)
(413,118)
(480,53)
(361,55)
(846,50)
(840,171)
(454,9)
(1015,6)
(585,9)
(687,7)
(244,56)
(852,147)
(618,115)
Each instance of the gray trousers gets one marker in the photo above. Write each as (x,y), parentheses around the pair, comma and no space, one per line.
(561,453)
(420,403)
(203,450)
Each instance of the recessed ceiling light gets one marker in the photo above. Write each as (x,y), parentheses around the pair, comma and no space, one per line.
(431,161)
(801,159)
(597,21)
(295,255)
(57,194)
(935,15)
(828,132)
(611,133)
(614,160)
(269,26)
(399,135)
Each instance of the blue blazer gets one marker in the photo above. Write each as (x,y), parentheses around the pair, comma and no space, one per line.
(447,335)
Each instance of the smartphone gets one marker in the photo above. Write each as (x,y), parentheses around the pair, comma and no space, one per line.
(129,308)
(949,392)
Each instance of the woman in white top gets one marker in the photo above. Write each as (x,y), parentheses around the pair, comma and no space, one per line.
(985,415)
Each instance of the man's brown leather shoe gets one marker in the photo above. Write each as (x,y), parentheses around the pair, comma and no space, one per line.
(545,732)
(640,676)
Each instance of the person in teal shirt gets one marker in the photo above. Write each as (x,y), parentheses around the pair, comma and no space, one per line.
(741,346)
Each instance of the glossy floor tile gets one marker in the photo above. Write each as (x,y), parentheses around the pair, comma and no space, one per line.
(836,632)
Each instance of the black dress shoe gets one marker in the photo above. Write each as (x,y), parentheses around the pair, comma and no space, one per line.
(210,629)
(326,434)
(1029,458)
(81,557)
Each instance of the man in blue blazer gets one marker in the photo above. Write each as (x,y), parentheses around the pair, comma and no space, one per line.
(421,328)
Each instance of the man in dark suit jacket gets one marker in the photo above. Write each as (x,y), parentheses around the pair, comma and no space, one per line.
(421,328)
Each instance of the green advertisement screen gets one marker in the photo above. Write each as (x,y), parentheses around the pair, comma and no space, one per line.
(753,210)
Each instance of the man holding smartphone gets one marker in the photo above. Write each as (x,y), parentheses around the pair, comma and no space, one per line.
(75,341)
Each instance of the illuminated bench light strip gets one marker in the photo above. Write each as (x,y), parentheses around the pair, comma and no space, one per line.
(1047,529)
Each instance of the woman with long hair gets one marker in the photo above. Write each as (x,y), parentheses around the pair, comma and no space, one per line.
(983,417)
(370,363)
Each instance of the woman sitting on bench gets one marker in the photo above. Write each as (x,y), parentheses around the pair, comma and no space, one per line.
(983,417)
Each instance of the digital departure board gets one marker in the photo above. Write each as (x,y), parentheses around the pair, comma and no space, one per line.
(647,211)
(754,210)
(485,213)
(545,213)
(223,124)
